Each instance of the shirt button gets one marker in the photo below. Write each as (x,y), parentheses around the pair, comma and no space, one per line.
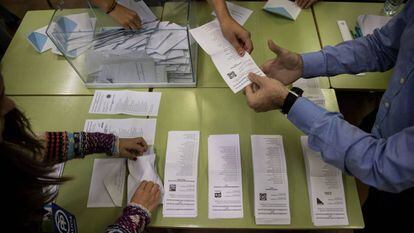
(402,80)
(387,105)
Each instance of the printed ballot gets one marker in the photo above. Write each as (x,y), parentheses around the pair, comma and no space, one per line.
(232,68)
(271,190)
(180,176)
(126,102)
(107,184)
(225,193)
(325,189)
(284,8)
(125,128)
(238,13)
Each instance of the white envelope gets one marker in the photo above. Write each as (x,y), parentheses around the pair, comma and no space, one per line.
(284,8)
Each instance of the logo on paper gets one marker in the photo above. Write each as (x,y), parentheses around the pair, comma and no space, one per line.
(232,75)
(108,96)
(319,202)
(173,188)
(263,196)
(217,195)
(62,222)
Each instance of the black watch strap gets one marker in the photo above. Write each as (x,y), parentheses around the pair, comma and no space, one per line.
(291,98)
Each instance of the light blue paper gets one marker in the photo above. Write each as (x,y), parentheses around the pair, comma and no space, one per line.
(279,11)
(38,40)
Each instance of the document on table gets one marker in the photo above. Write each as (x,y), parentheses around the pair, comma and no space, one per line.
(107,184)
(239,13)
(285,8)
(271,190)
(180,176)
(311,90)
(325,188)
(232,68)
(125,128)
(225,192)
(144,168)
(126,102)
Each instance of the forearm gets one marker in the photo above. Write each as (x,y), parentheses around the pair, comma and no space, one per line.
(134,219)
(220,8)
(386,164)
(64,146)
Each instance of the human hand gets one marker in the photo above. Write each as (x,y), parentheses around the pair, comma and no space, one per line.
(236,35)
(286,67)
(148,195)
(132,147)
(126,18)
(268,93)
(304,4)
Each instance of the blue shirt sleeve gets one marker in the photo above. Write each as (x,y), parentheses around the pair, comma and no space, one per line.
(386,164)
(376,52)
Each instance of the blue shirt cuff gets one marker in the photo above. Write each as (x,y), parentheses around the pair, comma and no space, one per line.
(314,64)
(304,114)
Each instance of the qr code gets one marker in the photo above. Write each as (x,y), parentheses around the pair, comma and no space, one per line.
(232,75)
(217,195)
(263,196)
(173,188)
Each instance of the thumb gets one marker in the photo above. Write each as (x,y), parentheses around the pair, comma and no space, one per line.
(276,49)
(256,79)
(236,44)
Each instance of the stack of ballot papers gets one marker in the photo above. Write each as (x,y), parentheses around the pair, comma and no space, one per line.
(285,8)
(311,90)
(368,23)
(180,176)
(271,190)
(325,189)
(232,67)
(124,128)
(126,102)
(225,191)
(143,169)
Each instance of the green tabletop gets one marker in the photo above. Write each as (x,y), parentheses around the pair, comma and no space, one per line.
(326,15)
(210,110)
(299,36)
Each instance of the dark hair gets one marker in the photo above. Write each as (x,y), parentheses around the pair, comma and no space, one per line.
(24,175)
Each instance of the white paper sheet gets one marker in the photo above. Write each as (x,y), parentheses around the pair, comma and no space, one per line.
(311,90)
(107,183)
(232,68)
(271,190)
(125,128)
(325,188)
(225,193)
(285,8)
(180,176)
(126,102)
(239,13)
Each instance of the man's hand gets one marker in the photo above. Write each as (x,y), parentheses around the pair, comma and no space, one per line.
(132,147)
(270,93)
(304,4)
(236,35)
(126,18)
(286,67)
(148,195)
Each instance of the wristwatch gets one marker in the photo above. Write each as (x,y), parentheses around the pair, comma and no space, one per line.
(291,98)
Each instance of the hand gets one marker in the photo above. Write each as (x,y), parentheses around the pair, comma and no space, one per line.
(132,147)
(126,18)
(268,93)
(287,67)
(237,36)
(304,4)
(148,195)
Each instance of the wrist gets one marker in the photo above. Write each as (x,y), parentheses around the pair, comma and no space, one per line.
(111,8)
(290,99)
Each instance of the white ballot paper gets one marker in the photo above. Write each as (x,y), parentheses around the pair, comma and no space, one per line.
(107,184)
(125,128)
(180,176)
(285,8)
(143,168)
(325,188)
(225,193)
(271,190)
(238,13)
(144,12)
(232,68)
(126,102)
(311,90)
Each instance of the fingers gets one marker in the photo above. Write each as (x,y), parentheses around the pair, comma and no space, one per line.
(149,187)
(143,143)
(129,154)
(267,66)
(142,186)
(309,3)
(247,42)
(274,48)
(236,44)
(256,79)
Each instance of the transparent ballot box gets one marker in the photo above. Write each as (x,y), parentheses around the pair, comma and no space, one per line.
(161,53)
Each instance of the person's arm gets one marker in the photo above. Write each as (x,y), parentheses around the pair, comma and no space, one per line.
(232,31)
(127,18)
(386,164)
(376,52)
(64,146)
